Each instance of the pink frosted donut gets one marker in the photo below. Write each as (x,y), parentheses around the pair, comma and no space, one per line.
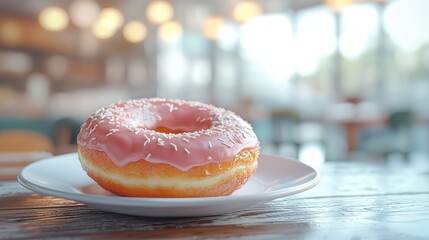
(167,148)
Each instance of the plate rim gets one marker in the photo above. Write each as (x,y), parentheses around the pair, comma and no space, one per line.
(167,202)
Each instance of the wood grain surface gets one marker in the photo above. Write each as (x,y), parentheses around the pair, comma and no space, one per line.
(353,201)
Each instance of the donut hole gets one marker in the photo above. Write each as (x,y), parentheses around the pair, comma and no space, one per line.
(162,129)
(185,119)
(161,118)
(177,128)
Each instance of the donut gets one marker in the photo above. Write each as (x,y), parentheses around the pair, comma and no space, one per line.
(154,147)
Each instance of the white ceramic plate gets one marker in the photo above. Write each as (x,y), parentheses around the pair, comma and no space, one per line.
(62,176)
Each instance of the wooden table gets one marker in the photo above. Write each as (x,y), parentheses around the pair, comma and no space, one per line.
(354,200)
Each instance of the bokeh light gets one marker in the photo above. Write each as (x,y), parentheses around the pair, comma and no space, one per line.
(246,10)
(53,18)
(84,13)
(135,31)
(101,31)
(315,39)
(262,43)
(159,11)
(228,37)
(212,26)
(108,22)
(358,32)
(338,5)
(112,17)
(404,21)
(170,31)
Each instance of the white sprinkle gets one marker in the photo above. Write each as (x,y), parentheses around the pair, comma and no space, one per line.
(185,140)
(209,158)
(221,139)
(148,156)
(174,145)
(230,137)
(110,133)
(160,142)
(225,144)
(146,142)
(187,151)
(93,129)
(203,119)
(210,144)
(207,134)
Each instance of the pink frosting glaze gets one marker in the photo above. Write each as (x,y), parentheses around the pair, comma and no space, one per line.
(125,132)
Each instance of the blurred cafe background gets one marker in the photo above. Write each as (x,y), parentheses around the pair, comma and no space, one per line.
(320,80)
